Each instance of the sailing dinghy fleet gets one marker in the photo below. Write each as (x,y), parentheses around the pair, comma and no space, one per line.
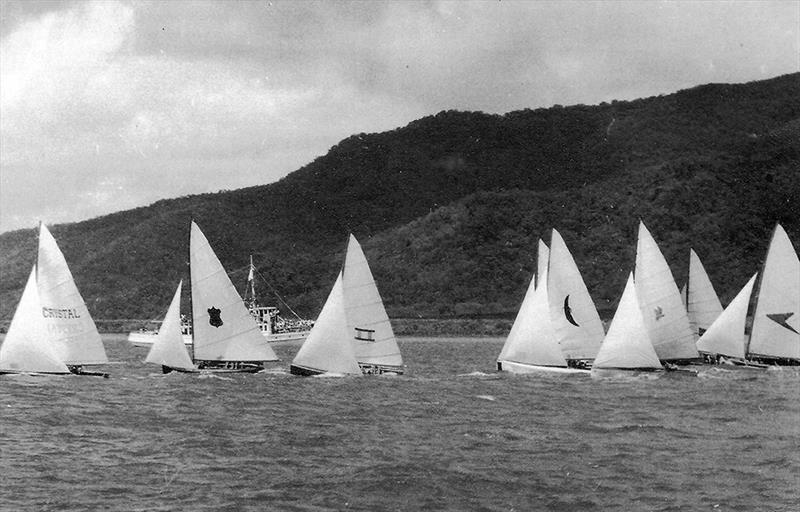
(656,327)
(653,328)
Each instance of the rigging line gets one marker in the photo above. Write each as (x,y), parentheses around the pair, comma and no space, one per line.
(274,291)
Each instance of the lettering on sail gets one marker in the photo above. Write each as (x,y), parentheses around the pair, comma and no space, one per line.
(60,313)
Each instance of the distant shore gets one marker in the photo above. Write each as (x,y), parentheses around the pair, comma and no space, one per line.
(401,326)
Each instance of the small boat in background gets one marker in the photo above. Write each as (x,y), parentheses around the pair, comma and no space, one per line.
(272,325)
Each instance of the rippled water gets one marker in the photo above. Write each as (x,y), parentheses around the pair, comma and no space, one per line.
(450,435)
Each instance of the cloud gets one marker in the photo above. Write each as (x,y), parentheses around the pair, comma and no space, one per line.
(114,104)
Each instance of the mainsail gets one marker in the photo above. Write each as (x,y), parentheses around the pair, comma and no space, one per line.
(776,321)
(702,303)
(533,340)
(572,311)
(328,348)
(627,344)
(67,322)
(660,302)
(367,322)
(169,348)
(223,329)
(25,347)
(726,335)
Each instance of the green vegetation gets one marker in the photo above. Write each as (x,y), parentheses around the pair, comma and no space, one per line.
(450,207)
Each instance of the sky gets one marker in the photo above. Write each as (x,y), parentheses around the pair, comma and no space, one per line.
(110,105)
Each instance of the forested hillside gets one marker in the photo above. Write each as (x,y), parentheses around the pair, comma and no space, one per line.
(449,208)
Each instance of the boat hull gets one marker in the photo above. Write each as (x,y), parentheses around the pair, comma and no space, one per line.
(380,369)
(145,339)
(304,371)
(514,367)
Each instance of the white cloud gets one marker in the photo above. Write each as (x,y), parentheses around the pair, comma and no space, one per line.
(168,98)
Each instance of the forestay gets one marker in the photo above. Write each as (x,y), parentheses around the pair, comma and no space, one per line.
(69,327)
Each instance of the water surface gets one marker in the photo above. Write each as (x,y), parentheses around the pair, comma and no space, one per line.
(452,434)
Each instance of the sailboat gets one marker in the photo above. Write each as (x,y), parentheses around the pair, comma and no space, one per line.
(572,312)
(660,302)
(775,335)
(725,339)
(627,344)
(702,303)
(168,349)
(367,329)
(26,348)
(532,345)
(67,322)
(226,336)
(52,330)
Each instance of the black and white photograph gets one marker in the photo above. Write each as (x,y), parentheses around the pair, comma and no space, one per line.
(399,255)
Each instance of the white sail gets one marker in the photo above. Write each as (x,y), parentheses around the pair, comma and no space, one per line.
(223,329)
(328,348)
(627,344)
(572,311)
(373,339)
(532,340)
(69,326)
(702,303)
(660,301)
(726,335)
(776,321)
(168,348)
(542,260)
(26,347)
